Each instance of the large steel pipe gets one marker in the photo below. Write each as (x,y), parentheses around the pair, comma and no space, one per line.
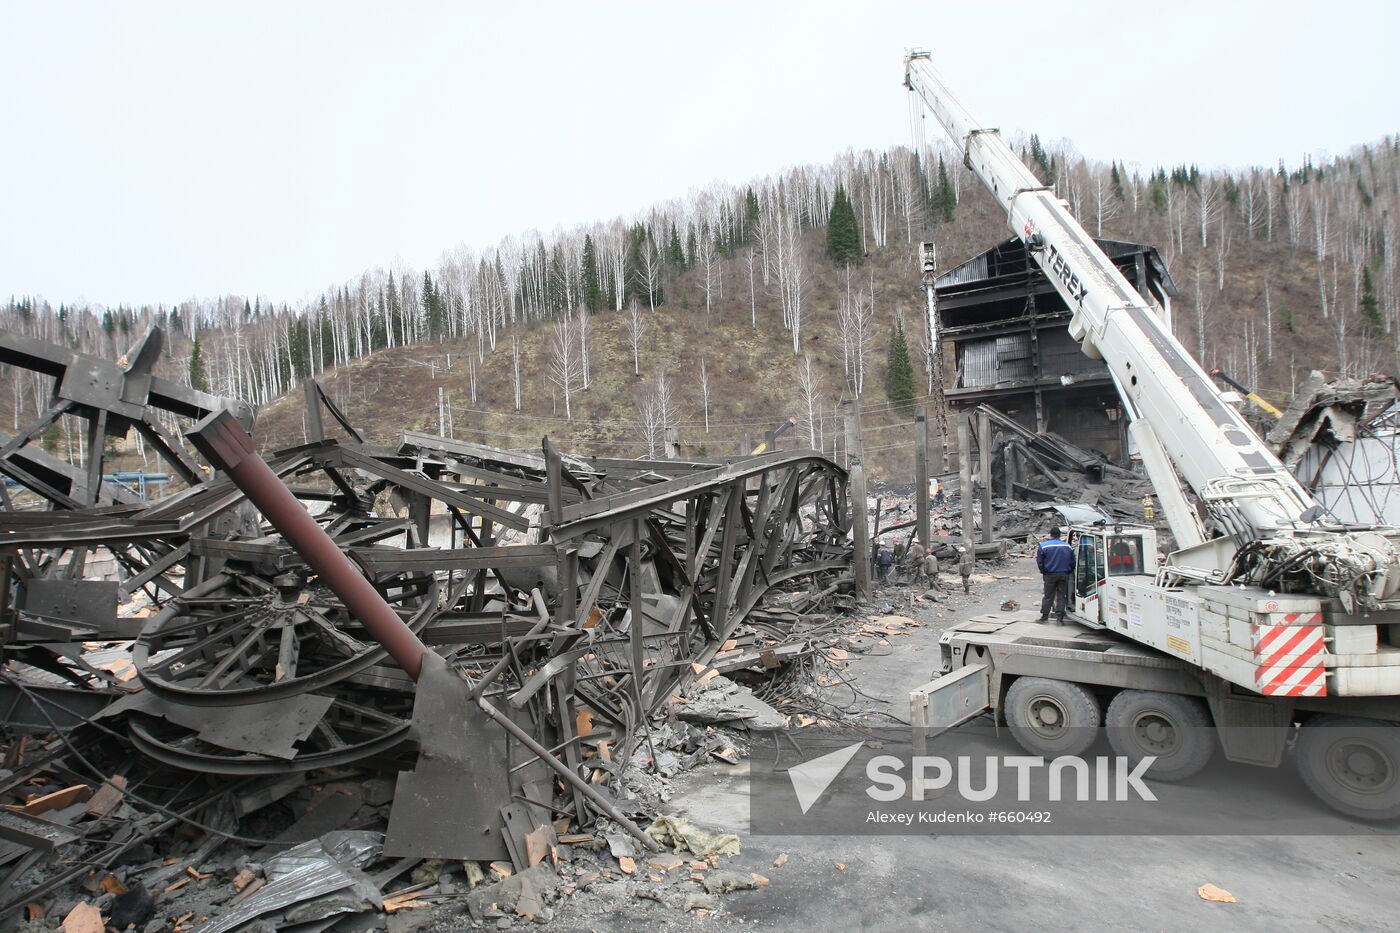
(224,443)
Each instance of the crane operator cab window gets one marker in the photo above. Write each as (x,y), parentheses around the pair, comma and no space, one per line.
(1124,555)
(1088,565)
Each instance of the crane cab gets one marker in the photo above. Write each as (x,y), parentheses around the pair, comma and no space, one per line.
(1102,551)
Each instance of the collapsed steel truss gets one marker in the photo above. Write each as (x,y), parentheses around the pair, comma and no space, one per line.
(569,597)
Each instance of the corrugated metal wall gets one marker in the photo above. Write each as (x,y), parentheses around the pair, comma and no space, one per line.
(978,366)
(1007,358)
(1059,354)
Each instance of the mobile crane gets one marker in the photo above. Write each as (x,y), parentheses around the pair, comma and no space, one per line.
(1269,614)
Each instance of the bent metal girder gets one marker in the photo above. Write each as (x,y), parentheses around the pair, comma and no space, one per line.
(715,539)
(109,400)
(649,567)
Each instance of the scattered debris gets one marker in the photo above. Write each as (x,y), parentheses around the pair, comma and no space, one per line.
(684,836)
(1210,892)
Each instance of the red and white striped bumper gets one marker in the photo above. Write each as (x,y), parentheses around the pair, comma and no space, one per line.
(1289,656)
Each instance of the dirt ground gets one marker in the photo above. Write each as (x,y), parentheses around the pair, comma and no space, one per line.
(931,882)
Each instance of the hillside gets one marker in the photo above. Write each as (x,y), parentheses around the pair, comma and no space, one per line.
(1280,271)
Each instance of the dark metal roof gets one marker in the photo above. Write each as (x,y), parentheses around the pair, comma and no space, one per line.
(1007,260)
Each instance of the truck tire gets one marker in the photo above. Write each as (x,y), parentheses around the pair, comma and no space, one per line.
(1052,717)
(1352,765)
(1172,728)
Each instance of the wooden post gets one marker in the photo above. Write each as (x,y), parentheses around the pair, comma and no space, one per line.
(921,475)
(860,530)
(442,416)
(984,449)
(965,478)
(770,441)
(1008,451)
(745,444)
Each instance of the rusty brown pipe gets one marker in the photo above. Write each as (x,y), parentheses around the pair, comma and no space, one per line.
(224,443)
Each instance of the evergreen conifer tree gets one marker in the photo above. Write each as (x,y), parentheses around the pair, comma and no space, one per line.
(198,378)
(751,212)
(588,274)
(899,378)
(675,253)
(1371,323)
(842,232)
(947,200)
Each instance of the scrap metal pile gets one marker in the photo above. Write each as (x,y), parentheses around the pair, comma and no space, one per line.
(470,640)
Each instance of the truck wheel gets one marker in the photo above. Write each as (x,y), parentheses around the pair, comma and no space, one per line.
(1352,765)
(1052,717)
(1172,728)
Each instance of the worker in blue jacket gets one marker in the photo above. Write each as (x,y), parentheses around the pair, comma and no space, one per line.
(1055,559)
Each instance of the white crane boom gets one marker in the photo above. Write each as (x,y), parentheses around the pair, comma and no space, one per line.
(1180,422)
(1208,441)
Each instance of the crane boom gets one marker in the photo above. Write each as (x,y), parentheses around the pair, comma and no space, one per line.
(1209,443)
(1180,422)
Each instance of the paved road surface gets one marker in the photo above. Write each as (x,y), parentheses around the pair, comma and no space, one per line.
(1022,883)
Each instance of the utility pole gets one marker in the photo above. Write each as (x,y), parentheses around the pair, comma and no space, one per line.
(921,526)
(855,443)
(860,530)
(933,360)
(965,480)
(856,498)
(984,449)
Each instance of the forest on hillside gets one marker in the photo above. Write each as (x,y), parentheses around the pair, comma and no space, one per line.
(1281,268)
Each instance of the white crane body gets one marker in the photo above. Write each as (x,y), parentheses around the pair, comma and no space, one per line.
(1266,563)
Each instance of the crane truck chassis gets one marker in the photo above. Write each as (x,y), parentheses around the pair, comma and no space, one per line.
(1270,627)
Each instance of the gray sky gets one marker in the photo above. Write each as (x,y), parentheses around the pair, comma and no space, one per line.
(157,152)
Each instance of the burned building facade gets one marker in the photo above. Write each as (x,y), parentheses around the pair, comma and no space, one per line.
(1005,340)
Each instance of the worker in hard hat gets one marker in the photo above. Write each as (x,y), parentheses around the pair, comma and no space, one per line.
(967,560)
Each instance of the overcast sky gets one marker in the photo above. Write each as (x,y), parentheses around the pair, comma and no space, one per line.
(157,152)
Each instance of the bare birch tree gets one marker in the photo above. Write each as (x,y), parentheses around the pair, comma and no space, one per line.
(636,327)
(753,298)
(565,367)
(705,392)
(650,272)
(515,363)
(792,277)
(1203,301)
(649,423)
(1208,200)
(1106,203)
(709,266)
(585,328)
(807,385)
